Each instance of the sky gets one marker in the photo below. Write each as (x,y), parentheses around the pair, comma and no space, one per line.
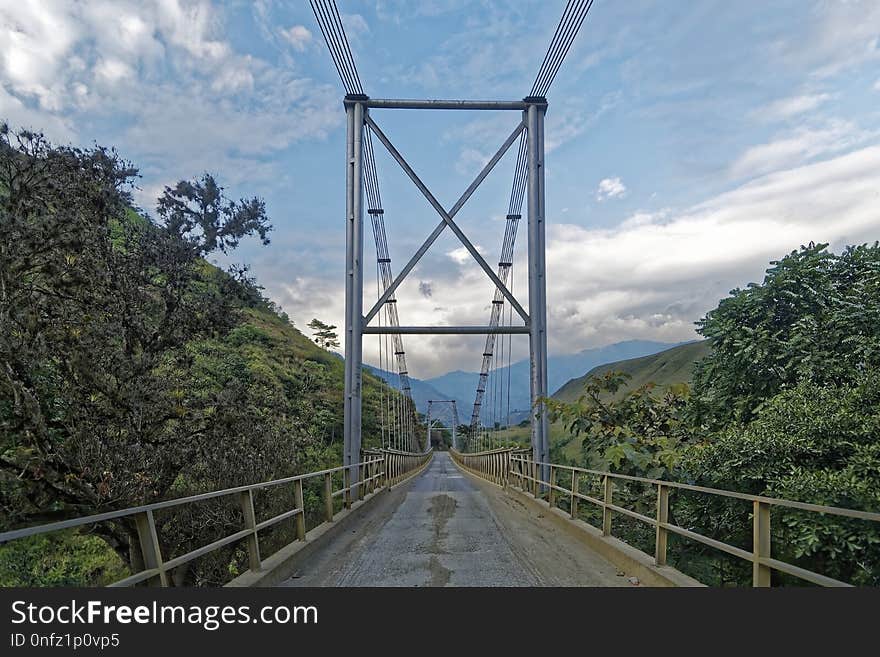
(688,144)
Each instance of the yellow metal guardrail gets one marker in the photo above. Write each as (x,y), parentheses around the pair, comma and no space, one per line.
(400,465)
(379,469)
(506,467)
(526,472)
(492,465)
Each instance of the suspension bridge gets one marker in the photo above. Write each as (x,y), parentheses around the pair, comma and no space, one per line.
(404,514)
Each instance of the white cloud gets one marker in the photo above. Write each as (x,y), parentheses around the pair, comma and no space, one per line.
(797,147)
(51,48)
(655,276)
(110,71)
(650,277)
(840,36)
(610,188)
(461,256)
(34,38)
(58,128)
(877,85)
(471,160)
(183,100)
(786,108)
(298,36)
(355,24)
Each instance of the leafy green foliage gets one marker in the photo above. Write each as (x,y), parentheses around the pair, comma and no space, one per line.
(815,317)
(60,559)
(325,334)
(639,433)
(197,212)
(812,443)
(786,404)
(132,371)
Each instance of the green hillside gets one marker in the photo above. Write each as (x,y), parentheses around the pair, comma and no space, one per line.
(665,368)
(135,371)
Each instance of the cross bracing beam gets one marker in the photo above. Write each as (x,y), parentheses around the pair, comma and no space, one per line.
(455,422)
(447,219)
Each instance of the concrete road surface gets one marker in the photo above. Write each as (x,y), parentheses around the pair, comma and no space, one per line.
(446,528)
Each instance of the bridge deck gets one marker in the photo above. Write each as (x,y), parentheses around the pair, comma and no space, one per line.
(445,528)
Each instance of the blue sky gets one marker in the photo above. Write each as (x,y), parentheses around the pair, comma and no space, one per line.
(689,142)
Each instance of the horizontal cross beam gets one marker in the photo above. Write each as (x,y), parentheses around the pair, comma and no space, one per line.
(404,103)
(445,330)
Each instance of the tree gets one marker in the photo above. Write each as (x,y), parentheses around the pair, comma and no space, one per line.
(325,335)
(640,433)
(786,405)
(790,397)
(817,443)
(197,212)
(815,317)
(99,306)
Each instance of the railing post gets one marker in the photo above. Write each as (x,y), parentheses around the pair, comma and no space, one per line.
(574,494)
(149,541)
(386,465)
(346,485)
(250,522)
(551,495)
(662,519)
(300,504)
(761,544)
(606,512)
(328,496)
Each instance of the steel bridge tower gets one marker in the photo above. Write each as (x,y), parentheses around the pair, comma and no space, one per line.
(357,324)
(455,420)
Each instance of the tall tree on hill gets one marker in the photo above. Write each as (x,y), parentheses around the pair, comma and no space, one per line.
(325,334)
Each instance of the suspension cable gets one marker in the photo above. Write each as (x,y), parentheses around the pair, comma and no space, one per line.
(333,30)
(337,43)
(569,25)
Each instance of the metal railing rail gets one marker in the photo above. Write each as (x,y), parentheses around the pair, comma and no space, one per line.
(402,465)
(525,472)
(492,465)
(381,469)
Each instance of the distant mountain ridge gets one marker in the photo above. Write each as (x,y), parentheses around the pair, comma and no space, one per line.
(462,386)
(423,392)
